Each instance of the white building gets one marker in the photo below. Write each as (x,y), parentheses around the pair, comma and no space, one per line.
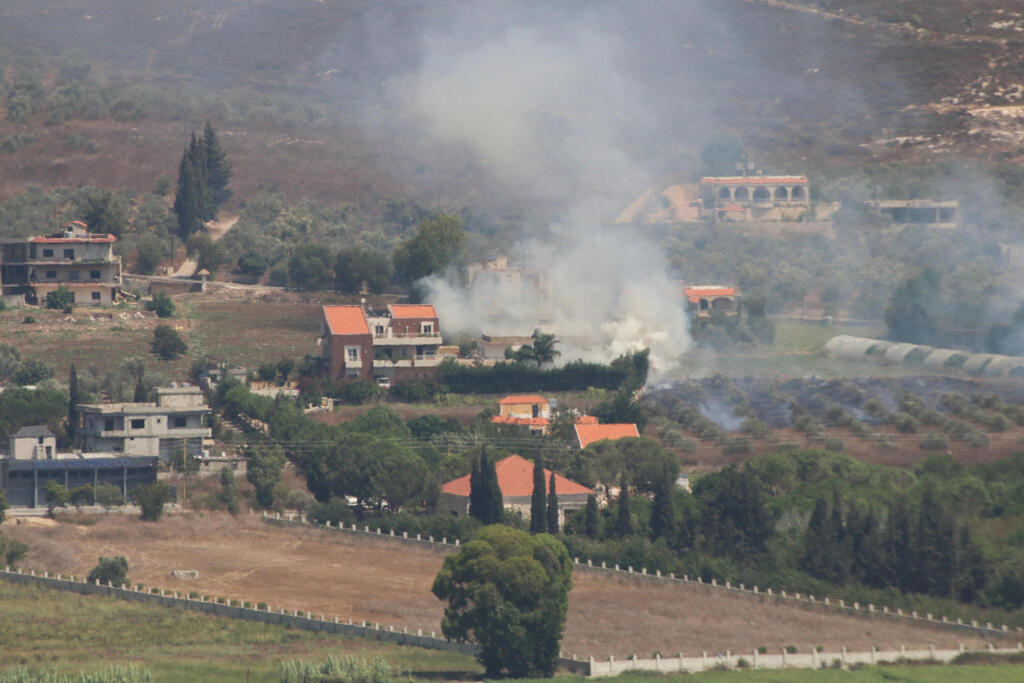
(179,420)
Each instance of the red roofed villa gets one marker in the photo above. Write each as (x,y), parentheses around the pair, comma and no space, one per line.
(587,434)
(529,411)
(515,479)
(398,345)
(755,197)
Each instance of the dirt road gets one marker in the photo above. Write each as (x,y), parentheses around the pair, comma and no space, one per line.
(216,230)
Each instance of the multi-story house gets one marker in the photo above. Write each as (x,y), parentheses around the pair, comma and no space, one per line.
(400,345)
(74,258)
(177,422)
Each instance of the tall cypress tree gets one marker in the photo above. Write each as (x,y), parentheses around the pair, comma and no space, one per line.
(662,512)
(935,547)
(218,170)
(591,522)
(197,158)
(819,542)
(140,390)
(899,547)
(476,491)
(552,506)
(73,399)
(624,519)
(494,501)
(538,506)
(842,558)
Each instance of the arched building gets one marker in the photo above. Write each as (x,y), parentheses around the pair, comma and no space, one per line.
(755,197)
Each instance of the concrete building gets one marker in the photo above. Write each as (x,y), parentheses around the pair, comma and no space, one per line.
(514,291)
(33,443)
(532,412)
(179,420)
(929,213)
(32,460)
(515,479)
(587,434)
(73,258)
(400,345)
(755,197)
(491,347)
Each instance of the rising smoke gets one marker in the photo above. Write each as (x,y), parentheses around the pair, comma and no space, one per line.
(544,112)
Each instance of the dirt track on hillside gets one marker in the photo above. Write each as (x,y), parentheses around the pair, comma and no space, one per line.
(387,581)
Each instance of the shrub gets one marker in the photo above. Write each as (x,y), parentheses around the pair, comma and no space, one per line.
(344,670)
(28,320)
(32,371)
(791,649)
(907,424)
(168,344)
(112,571)
(834,444)
(252,264)
(360,391)
(161,304)
(151,499)
(59,299)
(934,442)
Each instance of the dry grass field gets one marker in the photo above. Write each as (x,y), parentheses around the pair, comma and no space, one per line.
(387,581)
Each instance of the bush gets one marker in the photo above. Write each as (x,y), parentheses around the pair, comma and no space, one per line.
(907,424)
(151,499)
(834,444)
(161,304)
(112,571)
(32,371)
(29,320)
(359,391)
(252,264)
(59,299)
(168,344)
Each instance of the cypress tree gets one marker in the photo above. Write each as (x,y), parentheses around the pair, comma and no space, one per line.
(591,523)
(140,391)
(971,569)
(492,508)
(935,547)
(624,520)
(552,506)
(197,158)
(218,170)
(538,506)
(186,199)
(73,399)
(899,547)
(475,491)
(819,542)
(662,512)
(842,557)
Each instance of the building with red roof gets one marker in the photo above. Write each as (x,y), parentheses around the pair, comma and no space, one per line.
(401,344)
(530,411)
(74,258)
(707,301)
(515,479)
(587,434)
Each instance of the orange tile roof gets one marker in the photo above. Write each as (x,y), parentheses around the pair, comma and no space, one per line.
(754,180)
(517,400)
(412,311)
(65,240)
(346,320)
(515,479)
(587,434)
(513,420)
(695,293)
(586,420)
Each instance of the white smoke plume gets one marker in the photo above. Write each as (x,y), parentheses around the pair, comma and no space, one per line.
(543,111)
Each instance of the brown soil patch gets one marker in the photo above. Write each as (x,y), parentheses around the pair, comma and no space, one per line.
(386,581)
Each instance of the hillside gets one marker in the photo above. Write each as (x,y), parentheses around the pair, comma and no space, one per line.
(311,100)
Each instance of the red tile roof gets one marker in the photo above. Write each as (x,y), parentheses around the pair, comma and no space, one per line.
(586,420)
(346,320)
(515,478)
(519,400)
(412,311)
(587,434)
(91,239)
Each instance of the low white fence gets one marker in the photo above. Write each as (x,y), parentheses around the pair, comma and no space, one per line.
(783,660)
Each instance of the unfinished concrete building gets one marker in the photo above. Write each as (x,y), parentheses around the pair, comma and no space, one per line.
(74,258)
(930,213)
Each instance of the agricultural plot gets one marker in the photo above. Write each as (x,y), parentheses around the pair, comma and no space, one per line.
(387,581)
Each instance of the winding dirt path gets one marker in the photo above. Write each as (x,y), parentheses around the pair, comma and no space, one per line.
(216,230)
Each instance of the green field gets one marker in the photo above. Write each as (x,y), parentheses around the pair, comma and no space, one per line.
(1007,673)
(70,633)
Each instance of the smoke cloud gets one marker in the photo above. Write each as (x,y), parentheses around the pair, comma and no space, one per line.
(544,111)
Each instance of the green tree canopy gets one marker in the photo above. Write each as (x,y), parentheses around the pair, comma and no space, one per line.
(151,499)
(357,265)
(508,591)
(439,242)
(168,344)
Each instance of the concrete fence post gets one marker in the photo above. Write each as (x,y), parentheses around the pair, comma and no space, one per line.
(856,605)
(430,538)
(657,572)
(277,515)
(903,649)
(913,614)
(603,565)
(444,540)
(616,567)
(704,660)
(842,654)
(754,653)
(782,593)
(418,537)
(672,575)
(457,543)
(590,563)
(873,654)
(960,647)
(391,532)
(769,591)
(714,582)
(827,601)
(755,589)
(378,531)
(988,625)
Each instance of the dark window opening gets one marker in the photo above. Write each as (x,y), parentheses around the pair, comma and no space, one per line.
(69,254)
(108,425)
(138,424)
(94,274)
(95,296)
(47,252)
(179,422)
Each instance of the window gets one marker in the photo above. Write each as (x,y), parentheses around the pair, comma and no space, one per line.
(379,331)
(108,425)
(69,254)
(74,275)
(138,424)
(94,274)
(95,296)
(179,422)
(51,274)
(351,354)
(428,328)
(47,253)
